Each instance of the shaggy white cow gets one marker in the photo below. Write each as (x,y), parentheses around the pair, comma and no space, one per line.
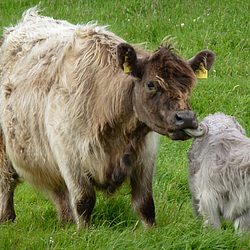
(79,107)
(219,173)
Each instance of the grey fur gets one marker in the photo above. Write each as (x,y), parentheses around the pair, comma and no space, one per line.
(219,173)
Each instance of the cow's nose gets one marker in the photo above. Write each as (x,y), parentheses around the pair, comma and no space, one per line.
(186,119)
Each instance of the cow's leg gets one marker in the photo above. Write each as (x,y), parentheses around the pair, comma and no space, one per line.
(62,202)
(83,201)
(82,195)
(242,221)
(81,192)
(8,182)
(84,204)
(142,195)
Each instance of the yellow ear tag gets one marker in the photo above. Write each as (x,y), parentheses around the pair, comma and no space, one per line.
(201,72)
(127,68)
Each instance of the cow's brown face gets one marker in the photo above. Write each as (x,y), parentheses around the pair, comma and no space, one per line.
(162,91)
(162,94)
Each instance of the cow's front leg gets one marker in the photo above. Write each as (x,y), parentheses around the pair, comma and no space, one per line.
(142,195)
(84,205)
(81,192)
(83,198)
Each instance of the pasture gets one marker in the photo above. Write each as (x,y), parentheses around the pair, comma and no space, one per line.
(221,26)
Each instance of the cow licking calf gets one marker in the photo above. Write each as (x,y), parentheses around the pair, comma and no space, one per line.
(219,173)
(79,111)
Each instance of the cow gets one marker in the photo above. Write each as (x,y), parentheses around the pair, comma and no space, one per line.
(80,111)
(219,173)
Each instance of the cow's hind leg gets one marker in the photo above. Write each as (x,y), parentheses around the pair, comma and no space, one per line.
(8,182)
(62,202)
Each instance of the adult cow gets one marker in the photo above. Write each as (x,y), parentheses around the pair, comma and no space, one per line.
(79,107)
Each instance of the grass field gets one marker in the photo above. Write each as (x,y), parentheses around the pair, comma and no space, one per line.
(223,27)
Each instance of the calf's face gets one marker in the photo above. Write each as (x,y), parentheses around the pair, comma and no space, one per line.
(163,85)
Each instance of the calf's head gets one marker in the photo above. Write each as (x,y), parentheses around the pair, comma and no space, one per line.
(163,84)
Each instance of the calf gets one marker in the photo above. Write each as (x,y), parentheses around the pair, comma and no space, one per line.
(219,173)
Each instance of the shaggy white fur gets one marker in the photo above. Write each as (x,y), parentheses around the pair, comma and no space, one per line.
(219,173)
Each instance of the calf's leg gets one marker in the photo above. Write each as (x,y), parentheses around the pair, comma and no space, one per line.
(209,208)
(242,221)
(195,204)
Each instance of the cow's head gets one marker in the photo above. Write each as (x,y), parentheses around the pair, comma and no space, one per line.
(163,84)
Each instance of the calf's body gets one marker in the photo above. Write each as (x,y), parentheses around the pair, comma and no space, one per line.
(219,173)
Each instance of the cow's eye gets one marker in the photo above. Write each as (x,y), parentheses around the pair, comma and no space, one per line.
(150,86)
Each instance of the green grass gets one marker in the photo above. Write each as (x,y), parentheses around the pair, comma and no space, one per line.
(222,26)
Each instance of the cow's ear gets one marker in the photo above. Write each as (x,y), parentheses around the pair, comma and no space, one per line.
(203,58)
(127,59)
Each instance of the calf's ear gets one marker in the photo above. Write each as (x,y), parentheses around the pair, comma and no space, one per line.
(206,57)
(127,59)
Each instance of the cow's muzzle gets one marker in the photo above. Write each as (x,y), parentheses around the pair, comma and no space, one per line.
(186,120)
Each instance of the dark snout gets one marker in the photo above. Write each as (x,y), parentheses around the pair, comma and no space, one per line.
(186,119)
(178,121)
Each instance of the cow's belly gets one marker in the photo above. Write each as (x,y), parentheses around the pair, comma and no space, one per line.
(34,166)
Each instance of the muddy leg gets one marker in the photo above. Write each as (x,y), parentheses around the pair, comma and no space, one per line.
(142,196)
(84,206)
(82,196)
(8,182)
